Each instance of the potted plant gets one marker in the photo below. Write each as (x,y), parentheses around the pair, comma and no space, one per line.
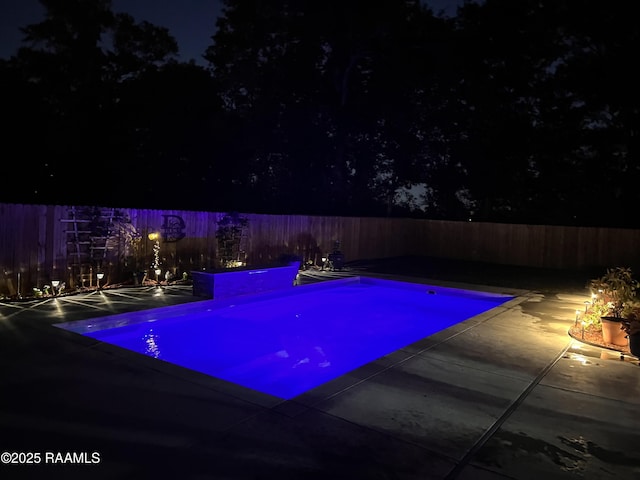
(614,290)
(631,326)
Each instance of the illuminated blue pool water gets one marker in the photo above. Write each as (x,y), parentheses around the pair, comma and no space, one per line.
(287,343)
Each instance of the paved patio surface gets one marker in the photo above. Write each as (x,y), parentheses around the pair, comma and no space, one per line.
(504,395)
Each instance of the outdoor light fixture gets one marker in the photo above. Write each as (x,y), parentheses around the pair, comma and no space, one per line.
(154,236)
(100,276)
(54,286)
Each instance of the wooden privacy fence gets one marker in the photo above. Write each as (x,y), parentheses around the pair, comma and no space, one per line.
(41,243)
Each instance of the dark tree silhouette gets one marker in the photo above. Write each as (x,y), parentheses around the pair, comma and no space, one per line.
(328,97)
(551,105)
(522,112)
(67,90)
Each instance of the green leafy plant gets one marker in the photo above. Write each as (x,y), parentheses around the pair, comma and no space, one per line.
(614,290)
(631,318)
(592,317)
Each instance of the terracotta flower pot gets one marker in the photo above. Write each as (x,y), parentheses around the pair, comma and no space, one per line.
(612,331)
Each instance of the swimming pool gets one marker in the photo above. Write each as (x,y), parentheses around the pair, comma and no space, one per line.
(289,342)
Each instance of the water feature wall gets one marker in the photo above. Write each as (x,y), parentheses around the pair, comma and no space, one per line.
(232,283)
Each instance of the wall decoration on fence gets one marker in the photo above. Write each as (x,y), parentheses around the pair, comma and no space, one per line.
(231,234)
(172,228)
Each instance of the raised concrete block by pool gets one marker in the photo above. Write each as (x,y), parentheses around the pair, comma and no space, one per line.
(233,283)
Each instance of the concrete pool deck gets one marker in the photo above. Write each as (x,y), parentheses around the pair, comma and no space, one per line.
(504,395)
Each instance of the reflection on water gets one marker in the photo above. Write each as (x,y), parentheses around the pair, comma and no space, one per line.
(302,338)
(151,346)
(582,352)
(317,353)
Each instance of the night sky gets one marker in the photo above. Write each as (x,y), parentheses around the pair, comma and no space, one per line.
(191,22)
